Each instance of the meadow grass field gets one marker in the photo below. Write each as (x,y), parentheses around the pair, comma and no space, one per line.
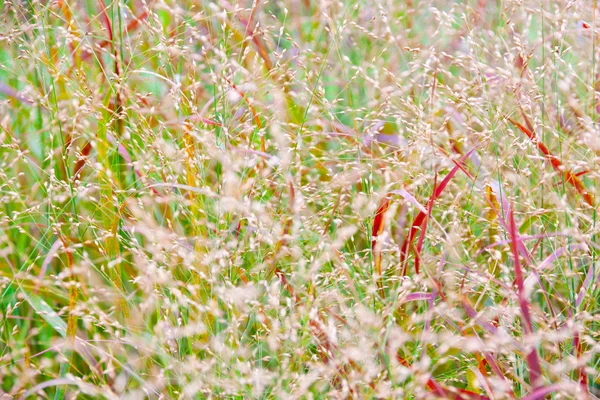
(299,199)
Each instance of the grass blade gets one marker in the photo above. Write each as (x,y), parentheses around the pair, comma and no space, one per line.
(535,373)
(570,177)
(420,220)
(376,231)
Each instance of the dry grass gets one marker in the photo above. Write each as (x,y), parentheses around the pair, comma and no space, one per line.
(299,199)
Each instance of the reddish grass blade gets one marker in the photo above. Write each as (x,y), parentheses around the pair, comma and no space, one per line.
(378,225)
(423,230)
(106,21)
(420,296)
(542,392)
(535,371)
(421,218)
(570,177)
(583,379)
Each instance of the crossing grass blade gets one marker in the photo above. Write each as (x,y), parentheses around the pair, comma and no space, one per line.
(570,178)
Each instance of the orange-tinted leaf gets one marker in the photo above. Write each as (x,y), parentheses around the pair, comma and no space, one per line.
(378,225)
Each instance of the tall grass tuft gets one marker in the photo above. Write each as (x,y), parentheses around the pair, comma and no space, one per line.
(299,199)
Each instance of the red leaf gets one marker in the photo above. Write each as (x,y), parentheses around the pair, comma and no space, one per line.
(542,392)
(535,373)
(378,225)
(420,219)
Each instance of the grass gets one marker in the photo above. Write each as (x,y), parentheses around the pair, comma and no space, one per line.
(299,199)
